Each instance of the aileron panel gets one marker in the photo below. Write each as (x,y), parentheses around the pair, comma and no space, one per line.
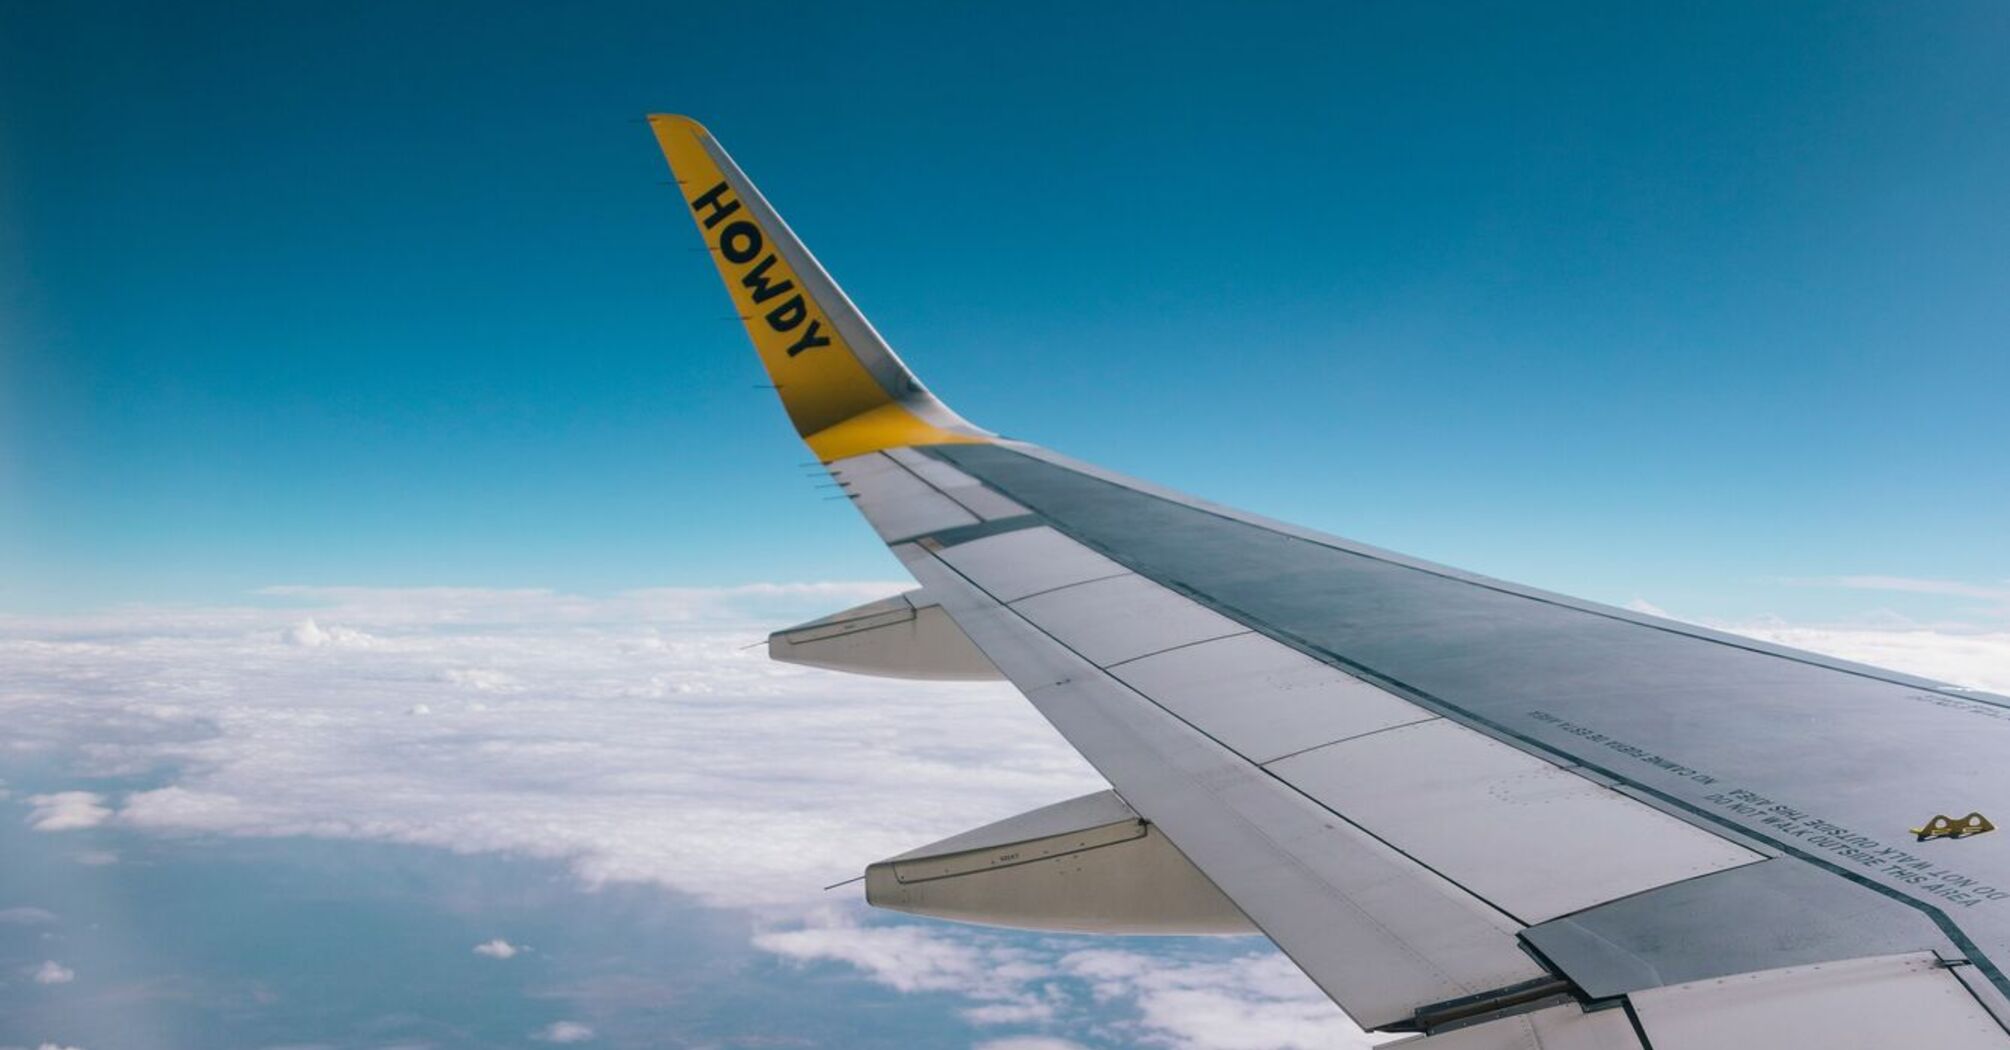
(1535,840)
(1264,699)
(1123,618)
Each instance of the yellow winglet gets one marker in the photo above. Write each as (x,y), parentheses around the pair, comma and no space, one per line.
(843,387)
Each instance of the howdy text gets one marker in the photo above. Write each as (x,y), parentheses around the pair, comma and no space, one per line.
(741,243)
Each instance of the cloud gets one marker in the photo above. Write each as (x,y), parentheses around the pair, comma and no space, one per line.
(67,811)
(563,1032)
(1011,983)
(1915,585)
(913,958)
(385,607)
(1029,1042)
(26,916)
(632,737)
(1971,655)
(1008,1013)
(309,634)
(52,972)
(1257,1001)
(1979,660)
(637,738)
(497,949)
(1642,605)
(1960,600)
(1225,994)
(480,678)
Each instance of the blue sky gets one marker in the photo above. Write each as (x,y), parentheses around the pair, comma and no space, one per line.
(1670,304)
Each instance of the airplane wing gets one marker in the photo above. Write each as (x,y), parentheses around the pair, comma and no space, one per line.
(1479,812)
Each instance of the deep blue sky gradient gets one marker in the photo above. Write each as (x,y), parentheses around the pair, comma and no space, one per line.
(1674,303)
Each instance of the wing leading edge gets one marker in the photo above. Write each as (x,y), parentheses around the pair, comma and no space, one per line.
(1490,815)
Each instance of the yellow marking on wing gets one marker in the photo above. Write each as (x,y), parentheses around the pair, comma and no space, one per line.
(889,426)
(836,404)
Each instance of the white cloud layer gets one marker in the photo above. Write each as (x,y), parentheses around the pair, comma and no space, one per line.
(1978,660)
(634,737)
(53,972)
(497,949)
(563,1032)
(26,916)
(1998,592)
(1177,995)
(66,811)
(639,738)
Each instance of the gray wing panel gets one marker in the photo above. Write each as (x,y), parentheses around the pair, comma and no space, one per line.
(1519,838)
(897,503)
(1015,565)
(1476,807)
(1123,618)
(1264,700)
(957,485)
(1379,933)
(1827,762)
(1782,912)
(1905,999)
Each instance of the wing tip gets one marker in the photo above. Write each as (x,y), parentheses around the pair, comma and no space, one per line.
(677,122)
(841,406)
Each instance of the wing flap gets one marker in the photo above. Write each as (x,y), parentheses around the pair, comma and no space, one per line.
(1535,840)
(1014,565)
(1899,1000)
(1561,1027)
(1378,932)
(1780,912)
(1264,700)
(1123,618)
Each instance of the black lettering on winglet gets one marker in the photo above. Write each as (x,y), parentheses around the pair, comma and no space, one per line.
(809,340)
(715,199)
(740,241)
(756,279)
(787,316)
